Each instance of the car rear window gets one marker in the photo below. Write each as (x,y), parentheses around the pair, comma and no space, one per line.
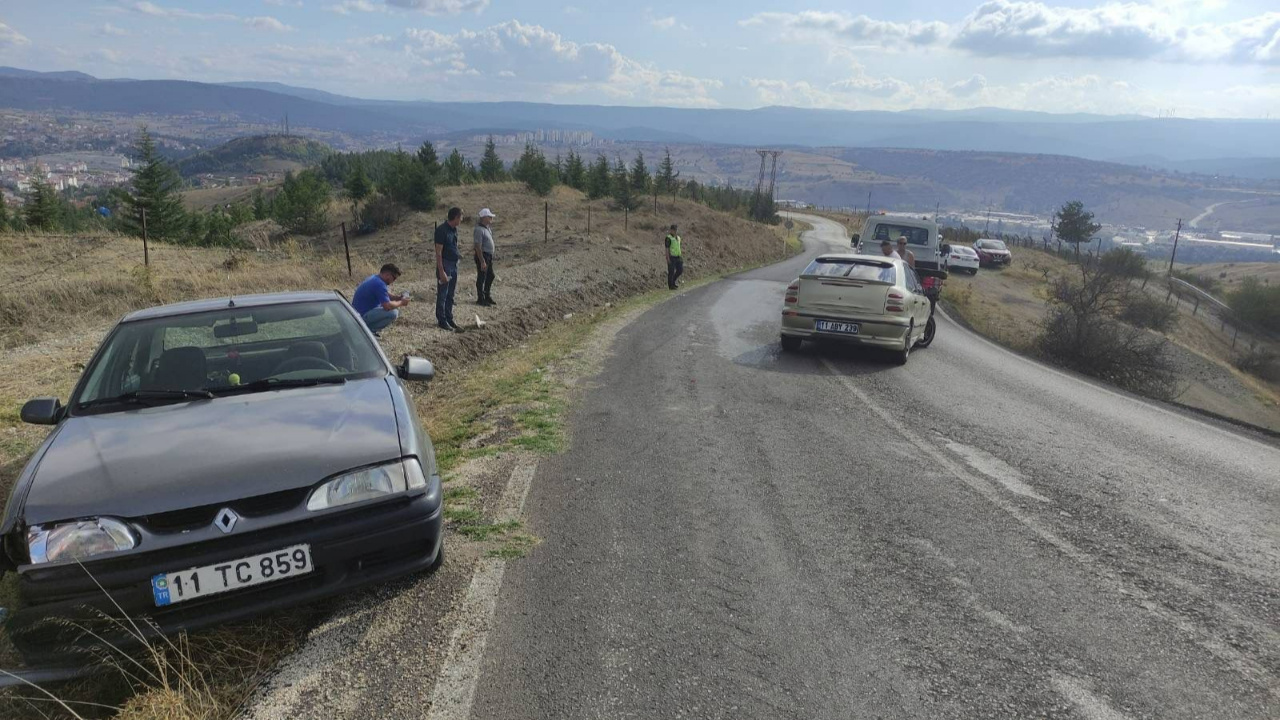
(853,269)
(915,235)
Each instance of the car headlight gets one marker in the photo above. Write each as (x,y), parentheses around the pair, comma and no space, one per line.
(368,484)
(79,540)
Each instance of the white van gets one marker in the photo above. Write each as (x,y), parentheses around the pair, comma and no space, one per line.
(922,235)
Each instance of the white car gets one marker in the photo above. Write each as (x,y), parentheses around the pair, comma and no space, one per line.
(962,258)
(868,300)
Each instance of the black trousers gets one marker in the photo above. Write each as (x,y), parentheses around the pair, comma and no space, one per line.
(675,268)
(484,278)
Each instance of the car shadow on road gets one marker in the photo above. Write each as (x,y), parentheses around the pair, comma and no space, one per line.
(851,359)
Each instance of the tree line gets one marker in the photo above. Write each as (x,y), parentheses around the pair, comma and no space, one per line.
(378,186)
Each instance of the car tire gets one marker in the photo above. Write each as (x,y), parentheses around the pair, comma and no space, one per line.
(973,271)
(901,356)
(930,329)
(791,344)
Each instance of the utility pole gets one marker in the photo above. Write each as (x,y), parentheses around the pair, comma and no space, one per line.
(868,203)
(1176,234)
(987,224)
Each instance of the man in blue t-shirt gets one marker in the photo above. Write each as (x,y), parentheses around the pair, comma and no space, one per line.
(373,301)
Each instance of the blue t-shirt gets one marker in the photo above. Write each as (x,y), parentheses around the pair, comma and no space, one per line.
(370,294)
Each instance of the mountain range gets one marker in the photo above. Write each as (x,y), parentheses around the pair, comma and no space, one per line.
(1248,147)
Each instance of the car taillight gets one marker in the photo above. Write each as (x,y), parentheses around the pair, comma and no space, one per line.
(792,290)
(894,303)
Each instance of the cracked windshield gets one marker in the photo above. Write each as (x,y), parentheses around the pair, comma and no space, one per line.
(497,360)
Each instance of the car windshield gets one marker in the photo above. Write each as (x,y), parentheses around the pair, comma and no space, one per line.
(915,235)
(227,351)
(991,245)
(869,271)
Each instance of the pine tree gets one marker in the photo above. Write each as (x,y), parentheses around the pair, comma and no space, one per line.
(575,173)
(598,179)
(639,176)
(472,175)
(623,195)
(261,208)
(408,183)
(427,156)
(4,214)
(1075,225)
(557,170)
(532,170)
(302,205)
(491,168)
(40,207)
(358,187)
(154,191)
(666,178)
(455,169)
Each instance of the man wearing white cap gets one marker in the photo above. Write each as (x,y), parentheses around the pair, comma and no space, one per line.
(484,257)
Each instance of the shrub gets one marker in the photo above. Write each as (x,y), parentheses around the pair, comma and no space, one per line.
(1259,362)
(1111,351)
(1257,304)
(1146,311)
(1081,332)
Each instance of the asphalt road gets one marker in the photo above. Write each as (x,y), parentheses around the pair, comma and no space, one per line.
(739,533)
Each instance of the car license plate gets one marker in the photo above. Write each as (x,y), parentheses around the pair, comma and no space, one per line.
(176,587)
(836,327)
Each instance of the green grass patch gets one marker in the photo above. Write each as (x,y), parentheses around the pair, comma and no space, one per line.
(482,531)
(513,547)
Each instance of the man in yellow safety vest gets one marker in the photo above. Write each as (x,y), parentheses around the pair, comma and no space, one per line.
(675,259)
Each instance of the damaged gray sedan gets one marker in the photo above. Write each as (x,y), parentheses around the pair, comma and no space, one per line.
(219,459)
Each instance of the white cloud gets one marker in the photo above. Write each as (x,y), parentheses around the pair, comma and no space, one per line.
(10,37)
(859,29)
(572,10)
(109,30)
(149,8)
(267,23)
(863,84)
(665,23)
(967,88)
(441,7)
(547,64)
(284,3)
(346,7)
(1160,30)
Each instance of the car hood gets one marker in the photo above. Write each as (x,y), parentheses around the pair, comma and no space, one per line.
(190,454)
(993,251)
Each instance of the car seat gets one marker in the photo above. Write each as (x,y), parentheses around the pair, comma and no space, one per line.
(180,368)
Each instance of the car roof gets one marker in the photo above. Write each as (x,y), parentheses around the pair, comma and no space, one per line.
(192,307)
(909,220)
(830,257)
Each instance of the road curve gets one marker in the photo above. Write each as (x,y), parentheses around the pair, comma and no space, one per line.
(741,533)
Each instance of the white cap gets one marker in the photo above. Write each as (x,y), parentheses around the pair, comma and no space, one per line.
(487,213)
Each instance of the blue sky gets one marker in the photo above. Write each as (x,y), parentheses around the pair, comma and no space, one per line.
(1191,58)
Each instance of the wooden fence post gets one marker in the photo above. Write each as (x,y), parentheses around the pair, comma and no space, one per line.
(146,251)
(346,248)
(588,219)
(546,220)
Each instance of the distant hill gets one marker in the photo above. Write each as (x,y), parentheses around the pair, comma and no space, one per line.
(256,154)
(64,75)
(1095,137)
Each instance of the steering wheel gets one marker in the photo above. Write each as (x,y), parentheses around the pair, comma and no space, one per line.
(304,363)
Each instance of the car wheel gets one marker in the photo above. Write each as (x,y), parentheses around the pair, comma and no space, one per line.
(973,271)
(791,344)
(929,329)
(901,356)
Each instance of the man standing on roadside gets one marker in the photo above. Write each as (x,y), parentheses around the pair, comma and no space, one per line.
(372,299)
(446,242)
(904,253)
(675,259)
(483,236)
(886,248)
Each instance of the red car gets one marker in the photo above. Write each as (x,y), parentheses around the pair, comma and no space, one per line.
(992,253)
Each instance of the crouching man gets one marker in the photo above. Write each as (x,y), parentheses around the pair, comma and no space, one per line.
(373,300)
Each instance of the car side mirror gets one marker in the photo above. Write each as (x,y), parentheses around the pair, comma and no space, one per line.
(42,411)
(857,238)
(946,248)
(416,368)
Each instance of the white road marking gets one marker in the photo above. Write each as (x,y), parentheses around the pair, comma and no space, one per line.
(455,689)
(995,468)
(1091,706)
(1241,663)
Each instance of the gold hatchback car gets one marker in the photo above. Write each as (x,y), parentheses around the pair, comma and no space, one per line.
(869,300)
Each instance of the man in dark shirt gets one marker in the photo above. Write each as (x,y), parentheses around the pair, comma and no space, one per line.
(447,270)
